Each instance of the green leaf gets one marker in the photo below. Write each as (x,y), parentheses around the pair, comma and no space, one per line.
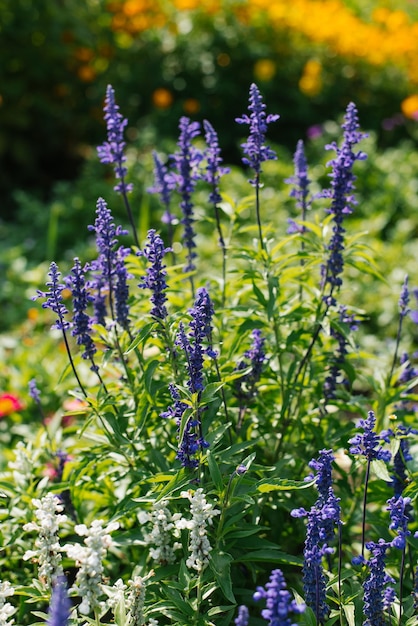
(259,295)
(183,424)
(283,484)
(141,336)
(148,375)
(210,392)
(349,614)
(379,468)
(270,556)
(220,564)
(214,471)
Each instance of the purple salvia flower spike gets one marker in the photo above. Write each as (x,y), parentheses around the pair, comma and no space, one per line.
(155,279)
(279,603)
(214,171)
(404,299)
(112,150)
(337,360)
(54,298)
(245,386)
(255,148)
(377,594)
(323,517)
(81,320)
(55,303)
(34,391)
(110,272)
(368,443)
(121,288)
(300,179)
(60,605)
(342,198)
(243,616)
(189,445)
(164,184)
(399,509)
(187,160)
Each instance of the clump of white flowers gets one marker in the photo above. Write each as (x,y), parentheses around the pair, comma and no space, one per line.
(202,514)
(23,465)
(89,559)
(6,609)
(161,535)
(47,553)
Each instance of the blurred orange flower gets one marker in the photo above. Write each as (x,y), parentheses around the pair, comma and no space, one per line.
(191,105)
(162,98)
(310,82)
(9,403)
(264,69)
(409,107)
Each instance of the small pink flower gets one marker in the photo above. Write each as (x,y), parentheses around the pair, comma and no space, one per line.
(9,403)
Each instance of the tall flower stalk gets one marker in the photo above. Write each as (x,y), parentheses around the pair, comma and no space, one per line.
(214,171)
(280,606)
(342,198)
(186,161)
(300,192)
(54,301)
(367,444)
(403,312)
(322,518)
(112,151)
(81,320)
(163,185)
(255,149)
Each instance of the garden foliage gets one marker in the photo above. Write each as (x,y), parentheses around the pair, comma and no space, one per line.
(227,456)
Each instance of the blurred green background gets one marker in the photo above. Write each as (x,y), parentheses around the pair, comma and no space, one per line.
(165,59)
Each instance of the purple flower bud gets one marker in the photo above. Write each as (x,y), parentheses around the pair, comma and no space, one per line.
(60,606)
(54,298)
(279,603)
(186,161)
(367,444)
(243,616)
(112,150)
(341,195)
(255,148)
(81,320)
(155,279)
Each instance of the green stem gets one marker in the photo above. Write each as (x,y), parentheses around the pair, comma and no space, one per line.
(257,209)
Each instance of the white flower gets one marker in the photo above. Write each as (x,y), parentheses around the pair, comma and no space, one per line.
(161,535)
(47,553)
(88,582)
(202,514)
(6,609)
(136,599)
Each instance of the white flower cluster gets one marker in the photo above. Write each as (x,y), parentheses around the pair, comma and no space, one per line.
(202,513)
(6,609)
(47,554)
(23,464)
(135,602)
(164,527)
(88,582)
